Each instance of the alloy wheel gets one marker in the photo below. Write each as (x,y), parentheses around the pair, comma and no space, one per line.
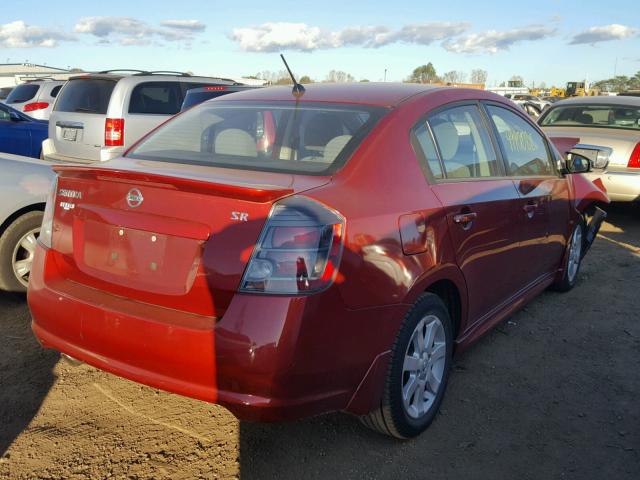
(23,253)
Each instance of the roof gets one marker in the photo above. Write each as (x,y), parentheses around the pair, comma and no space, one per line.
(366,93)
(603,100)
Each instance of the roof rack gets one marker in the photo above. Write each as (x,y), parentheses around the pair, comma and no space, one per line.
(35,79)
(165,72)
(138,72)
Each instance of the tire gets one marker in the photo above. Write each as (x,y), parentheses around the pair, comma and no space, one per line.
(573,258)
(405,415)
(21,233)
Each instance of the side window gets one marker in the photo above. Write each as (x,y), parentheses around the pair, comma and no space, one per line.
(464,143)
(55,90)
(523,147)
(163,98)
(423,136)
(4,115)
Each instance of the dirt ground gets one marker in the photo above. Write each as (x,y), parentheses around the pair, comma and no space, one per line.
(551,393)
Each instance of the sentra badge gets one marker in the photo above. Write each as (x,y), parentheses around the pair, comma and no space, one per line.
(64,192)
(134,198)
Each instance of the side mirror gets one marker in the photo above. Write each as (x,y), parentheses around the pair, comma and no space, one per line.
(15,117)
(577,163)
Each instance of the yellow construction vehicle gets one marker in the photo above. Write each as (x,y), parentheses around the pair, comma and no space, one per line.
(581,89)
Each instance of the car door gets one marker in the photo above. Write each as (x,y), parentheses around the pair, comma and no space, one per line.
(14,135)
(542,213)
(470,181)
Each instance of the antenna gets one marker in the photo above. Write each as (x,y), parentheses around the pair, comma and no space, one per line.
(298,89)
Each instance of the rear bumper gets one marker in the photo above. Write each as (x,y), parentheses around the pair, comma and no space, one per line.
(622,185)
(269,358)
(50,153)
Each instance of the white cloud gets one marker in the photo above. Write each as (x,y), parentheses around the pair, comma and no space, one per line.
(20,35)
(131,31)
(275,36)
(603,34)
(493,41)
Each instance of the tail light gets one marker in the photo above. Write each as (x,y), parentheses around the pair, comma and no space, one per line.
(634,159)
(46,230)
(298,251)
(30,107)
(114,132)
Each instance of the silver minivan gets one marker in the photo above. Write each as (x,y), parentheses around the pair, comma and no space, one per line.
(98,116)
(35,97)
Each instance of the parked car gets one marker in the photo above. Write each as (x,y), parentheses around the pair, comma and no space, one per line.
(195,96)
(4,92)
(552,99)
(608,129)
(98,116)
(540,103)
(531,108)
(35,98)
(286,256)
(24,186)
(21,134)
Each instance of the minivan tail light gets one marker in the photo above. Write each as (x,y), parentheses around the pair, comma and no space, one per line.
(46,230)
(30,107)
(298,251)
(114,132)
(634,159)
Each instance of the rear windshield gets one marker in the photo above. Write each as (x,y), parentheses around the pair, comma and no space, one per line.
(194,98)
(85,95)
(308,138)
(23,93)
(596,116)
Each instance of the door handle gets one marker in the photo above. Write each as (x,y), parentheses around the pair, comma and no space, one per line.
(530,209)
(465,219)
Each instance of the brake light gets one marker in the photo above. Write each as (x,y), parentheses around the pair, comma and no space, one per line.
(298,251)
(634,159)
(216,88)
(30,107)
(46,230)
(114,132)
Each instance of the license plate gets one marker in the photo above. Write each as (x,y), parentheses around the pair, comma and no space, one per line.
(70,134)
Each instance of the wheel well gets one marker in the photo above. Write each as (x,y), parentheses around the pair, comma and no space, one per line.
(15,215)
(449,294)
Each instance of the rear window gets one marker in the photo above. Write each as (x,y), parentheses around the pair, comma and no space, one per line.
(160,98)
(23,93)
(596,116)
(194,98)
(85,95)
(302,138)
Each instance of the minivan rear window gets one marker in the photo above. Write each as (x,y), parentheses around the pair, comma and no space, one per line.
(23,93)
(85,95)
(160,98)
(307,138)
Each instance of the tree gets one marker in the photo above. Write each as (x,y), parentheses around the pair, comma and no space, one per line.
(338,76)
(454,76)
(479,76)
(305,79)
(424,74)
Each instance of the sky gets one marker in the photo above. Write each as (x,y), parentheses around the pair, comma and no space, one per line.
(551,41)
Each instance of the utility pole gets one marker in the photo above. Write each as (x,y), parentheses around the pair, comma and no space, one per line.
(615,68)
(385,74)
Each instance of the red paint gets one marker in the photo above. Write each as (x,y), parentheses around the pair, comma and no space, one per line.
(181,324)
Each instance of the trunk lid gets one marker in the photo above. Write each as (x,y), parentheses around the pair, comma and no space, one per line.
(77,122)
(176,236)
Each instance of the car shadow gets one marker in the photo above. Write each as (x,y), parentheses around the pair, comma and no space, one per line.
(26,369)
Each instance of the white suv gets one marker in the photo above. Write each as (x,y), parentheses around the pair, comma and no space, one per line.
(35,98)
(98,116)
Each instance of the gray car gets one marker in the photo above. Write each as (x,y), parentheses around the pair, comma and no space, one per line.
(608,131)
(24,187)
(98,116)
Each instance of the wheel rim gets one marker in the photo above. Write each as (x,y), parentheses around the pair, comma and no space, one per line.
(575,252)
(423,367)
(23,253)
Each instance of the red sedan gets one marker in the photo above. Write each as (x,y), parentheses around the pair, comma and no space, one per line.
(288,256)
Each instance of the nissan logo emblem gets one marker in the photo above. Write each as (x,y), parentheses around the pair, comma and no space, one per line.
(134,198)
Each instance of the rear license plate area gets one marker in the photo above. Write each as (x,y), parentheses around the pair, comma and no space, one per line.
(70,134)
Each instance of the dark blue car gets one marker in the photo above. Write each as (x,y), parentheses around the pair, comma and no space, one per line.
(20,134)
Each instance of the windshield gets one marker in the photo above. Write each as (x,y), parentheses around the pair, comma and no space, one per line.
(596,116)
(23,93)
(310,138)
